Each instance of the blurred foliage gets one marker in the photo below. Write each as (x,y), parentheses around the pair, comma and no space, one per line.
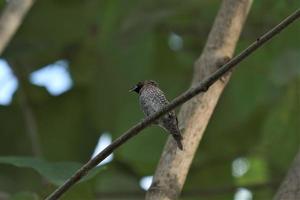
(111,45)
(55,173)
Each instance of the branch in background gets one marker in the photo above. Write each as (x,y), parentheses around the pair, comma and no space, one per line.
(4,195)
(30,122)
(289,189)
(194,116)
(198,88)
(200,193)
(28,115)
(11,18)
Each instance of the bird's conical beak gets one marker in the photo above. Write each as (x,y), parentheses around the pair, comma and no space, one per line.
(133,88)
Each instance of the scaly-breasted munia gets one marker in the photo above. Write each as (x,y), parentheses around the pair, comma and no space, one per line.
(153,99)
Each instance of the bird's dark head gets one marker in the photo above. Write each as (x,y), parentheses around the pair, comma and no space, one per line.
(137,88)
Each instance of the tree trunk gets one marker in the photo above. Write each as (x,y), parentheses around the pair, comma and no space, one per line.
(290,187)
(194,116)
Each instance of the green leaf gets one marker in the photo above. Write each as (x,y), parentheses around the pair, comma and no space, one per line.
(55,172)
(25,196)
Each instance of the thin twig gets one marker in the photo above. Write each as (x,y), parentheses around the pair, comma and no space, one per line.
(27,111)
(201,87)
(31,124)
(30,121)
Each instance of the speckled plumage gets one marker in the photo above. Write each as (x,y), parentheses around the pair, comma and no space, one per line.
(151,100)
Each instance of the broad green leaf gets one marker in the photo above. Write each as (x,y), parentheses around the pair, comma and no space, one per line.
(55,172)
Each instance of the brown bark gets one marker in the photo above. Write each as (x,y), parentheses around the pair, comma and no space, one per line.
(11,18)
(290,187)
(194,116)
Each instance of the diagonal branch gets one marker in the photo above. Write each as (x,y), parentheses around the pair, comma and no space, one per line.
(194,116)
(11,18)
(198,88)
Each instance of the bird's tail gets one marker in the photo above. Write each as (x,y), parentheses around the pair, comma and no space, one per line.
(178,139)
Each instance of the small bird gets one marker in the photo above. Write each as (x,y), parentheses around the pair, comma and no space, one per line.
(152,99)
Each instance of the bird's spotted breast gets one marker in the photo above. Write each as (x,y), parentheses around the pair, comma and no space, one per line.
(152,99)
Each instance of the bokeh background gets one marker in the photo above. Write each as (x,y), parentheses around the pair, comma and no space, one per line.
(65,78)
